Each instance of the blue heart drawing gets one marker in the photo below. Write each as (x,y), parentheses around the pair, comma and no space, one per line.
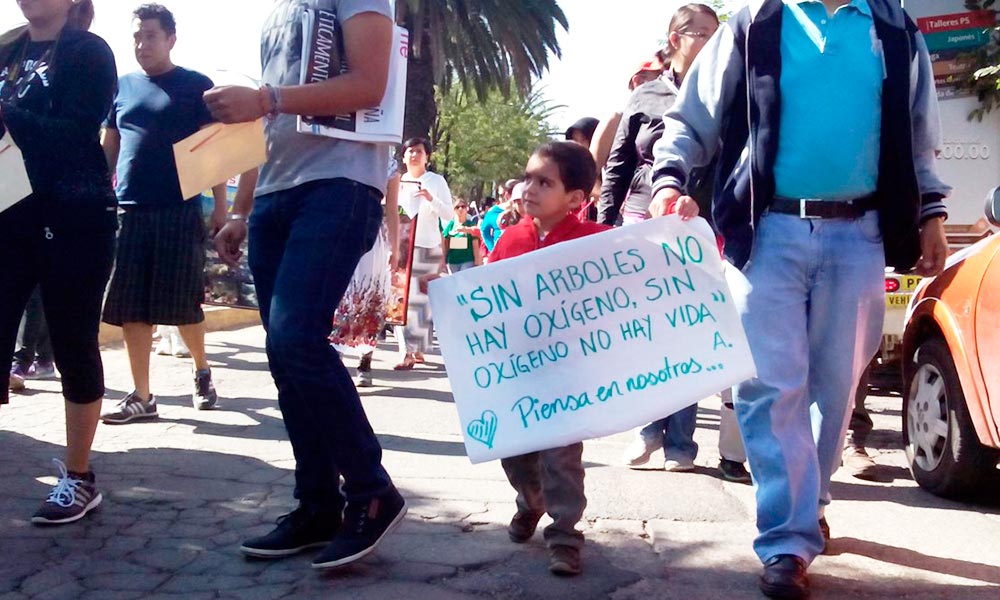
(484,429)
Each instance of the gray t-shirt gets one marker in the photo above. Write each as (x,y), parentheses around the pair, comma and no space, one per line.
(297,158)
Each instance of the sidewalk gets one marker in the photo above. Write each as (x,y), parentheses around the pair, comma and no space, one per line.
(183,491)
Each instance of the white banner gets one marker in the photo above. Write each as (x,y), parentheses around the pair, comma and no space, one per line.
(588,337)
(14,184)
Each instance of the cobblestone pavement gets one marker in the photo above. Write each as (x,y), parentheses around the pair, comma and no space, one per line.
(183,491)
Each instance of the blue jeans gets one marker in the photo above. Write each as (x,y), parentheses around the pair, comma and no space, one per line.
(304,245)
(813,316)
(677,434)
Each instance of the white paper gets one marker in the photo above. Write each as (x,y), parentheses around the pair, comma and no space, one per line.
(407,198)
(458,242)
(589,337)
(376,124)
(14,183)
(217,153)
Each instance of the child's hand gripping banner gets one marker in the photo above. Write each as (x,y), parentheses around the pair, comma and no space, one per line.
(589,337)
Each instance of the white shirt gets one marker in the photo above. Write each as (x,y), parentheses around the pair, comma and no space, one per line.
(431,214)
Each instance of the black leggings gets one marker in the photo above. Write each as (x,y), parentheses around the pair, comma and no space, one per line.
(72,267)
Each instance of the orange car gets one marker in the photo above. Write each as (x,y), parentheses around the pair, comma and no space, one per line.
(951,371)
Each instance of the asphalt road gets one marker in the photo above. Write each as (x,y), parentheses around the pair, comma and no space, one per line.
(181,492)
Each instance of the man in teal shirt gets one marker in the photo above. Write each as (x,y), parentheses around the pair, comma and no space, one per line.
(824,117)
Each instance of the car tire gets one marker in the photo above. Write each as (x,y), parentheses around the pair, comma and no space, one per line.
(942,448)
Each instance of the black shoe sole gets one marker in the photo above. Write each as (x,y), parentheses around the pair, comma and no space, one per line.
(281,552)
(129,419)
(359,555)
(564,569)
(783,592)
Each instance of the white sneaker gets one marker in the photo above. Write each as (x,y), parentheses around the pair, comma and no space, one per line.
(678,466)
(640,451)
(363,379)
(164,348)
(180,348)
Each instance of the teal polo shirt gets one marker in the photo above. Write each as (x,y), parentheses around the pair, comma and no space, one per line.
(831,101)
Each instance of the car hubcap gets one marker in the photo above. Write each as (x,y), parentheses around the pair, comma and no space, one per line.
(927,418)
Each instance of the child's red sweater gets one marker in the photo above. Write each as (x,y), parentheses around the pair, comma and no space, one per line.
(523,237)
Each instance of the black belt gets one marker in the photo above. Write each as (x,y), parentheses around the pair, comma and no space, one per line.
(809,208)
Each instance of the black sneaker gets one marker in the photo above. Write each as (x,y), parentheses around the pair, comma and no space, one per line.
(73,496)
(296,532)
(131,407)
(365,524)
(204,396)
(784,577)
(732,470)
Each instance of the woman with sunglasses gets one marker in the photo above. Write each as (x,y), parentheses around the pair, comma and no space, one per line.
(56,86)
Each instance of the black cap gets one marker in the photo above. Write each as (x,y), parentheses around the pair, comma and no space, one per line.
(586,126)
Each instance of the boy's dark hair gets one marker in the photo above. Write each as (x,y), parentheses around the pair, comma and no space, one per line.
(577,169)
(418,141)
(159,12)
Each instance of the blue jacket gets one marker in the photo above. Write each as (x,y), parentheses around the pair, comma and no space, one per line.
(730,104)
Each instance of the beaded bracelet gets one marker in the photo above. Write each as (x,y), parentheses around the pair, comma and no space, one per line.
(274,95)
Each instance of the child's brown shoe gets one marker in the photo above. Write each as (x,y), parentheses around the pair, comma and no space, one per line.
(522,526)
(564,560)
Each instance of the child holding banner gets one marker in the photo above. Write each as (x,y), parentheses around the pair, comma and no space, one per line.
(557,181)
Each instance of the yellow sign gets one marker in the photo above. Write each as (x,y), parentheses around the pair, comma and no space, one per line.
(897,300)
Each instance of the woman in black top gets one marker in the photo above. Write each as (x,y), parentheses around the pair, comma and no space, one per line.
(56,86)
(627,190)
(625,197)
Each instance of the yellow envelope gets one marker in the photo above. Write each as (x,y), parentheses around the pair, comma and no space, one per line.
(218,152)
(14,184)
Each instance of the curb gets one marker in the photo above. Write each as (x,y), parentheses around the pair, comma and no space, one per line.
(217,318)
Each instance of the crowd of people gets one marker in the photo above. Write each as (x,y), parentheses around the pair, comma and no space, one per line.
(807,146)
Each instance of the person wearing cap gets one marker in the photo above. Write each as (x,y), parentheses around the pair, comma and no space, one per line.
(512,214)
(582,131)
(604,135)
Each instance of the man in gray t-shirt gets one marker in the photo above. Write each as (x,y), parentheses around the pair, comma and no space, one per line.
(316,211)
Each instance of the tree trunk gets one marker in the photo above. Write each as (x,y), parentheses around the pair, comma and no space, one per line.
(421,108)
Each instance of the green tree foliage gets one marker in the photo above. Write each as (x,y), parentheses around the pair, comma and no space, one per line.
(482,142)
(482,45)
(985,81)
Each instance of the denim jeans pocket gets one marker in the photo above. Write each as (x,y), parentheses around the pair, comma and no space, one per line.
(868,227)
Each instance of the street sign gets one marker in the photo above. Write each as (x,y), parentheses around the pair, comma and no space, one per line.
(969,156)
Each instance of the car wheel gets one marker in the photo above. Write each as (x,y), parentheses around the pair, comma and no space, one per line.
(944,453)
